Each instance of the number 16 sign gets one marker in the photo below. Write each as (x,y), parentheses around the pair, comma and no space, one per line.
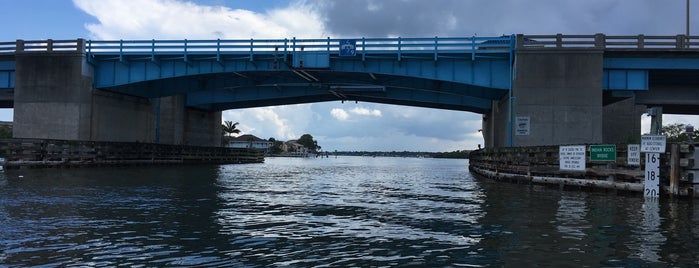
(652,178)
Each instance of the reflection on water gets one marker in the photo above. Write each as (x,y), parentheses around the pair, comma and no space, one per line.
(349,211)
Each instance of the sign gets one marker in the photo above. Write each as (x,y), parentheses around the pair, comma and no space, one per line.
(572,158)
(633,155)
(651,183)
(348,48)
(522,125)
(653,143)
(604,152)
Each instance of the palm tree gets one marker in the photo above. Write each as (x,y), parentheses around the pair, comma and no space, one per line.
(230,128)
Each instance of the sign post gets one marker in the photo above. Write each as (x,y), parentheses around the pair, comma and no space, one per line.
(651,183)
(653,146)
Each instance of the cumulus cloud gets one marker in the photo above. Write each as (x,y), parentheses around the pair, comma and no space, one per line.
(367,112)
(340,114)
(147,19)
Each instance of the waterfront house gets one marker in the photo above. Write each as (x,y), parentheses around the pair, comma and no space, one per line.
(249,141)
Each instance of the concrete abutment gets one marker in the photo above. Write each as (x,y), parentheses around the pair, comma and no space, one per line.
(557,98)
(55,99)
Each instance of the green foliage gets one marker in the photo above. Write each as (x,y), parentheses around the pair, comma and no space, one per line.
(5,133)
(675,133)
(455,154)
(307,141)
(230,128)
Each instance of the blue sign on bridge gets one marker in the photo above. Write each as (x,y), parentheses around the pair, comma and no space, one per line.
(348,47)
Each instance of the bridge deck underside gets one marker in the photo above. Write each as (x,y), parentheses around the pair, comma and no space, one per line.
(456,82)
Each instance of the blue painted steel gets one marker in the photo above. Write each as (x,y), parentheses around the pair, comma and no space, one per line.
(7,75)
(7,80)
(478,66)
(625,80)
(640,63)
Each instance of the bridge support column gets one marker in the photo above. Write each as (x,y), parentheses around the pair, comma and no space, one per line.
(54,99)
(559,92)
(622,121)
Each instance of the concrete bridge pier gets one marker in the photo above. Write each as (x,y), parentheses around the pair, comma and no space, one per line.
(55,99)
(557,98)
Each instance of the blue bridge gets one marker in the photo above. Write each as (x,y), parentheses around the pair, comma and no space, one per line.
(531,90)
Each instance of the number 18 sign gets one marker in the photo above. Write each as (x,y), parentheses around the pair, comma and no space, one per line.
(652,177)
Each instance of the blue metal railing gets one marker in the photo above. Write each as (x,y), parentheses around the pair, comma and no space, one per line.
(250,48)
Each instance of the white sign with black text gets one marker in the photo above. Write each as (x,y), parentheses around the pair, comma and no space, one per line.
(651,183)
(653,143)
(572,157)
(633,154)
(522,124)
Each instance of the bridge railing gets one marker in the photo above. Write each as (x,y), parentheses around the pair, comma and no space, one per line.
(601,41)
(251,47)
(50,45)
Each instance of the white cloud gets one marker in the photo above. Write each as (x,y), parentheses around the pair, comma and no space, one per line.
(365,111)
(340,114)
(160,19)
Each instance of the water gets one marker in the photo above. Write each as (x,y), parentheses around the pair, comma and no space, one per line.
(349,211)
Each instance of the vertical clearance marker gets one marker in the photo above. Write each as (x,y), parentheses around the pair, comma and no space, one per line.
(653,146)
(651,183)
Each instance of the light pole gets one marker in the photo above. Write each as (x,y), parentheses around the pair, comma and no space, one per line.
(687,27)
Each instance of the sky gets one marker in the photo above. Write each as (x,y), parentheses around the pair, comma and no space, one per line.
(347,126)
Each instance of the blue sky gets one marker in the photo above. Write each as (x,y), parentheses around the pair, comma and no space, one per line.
(349,125)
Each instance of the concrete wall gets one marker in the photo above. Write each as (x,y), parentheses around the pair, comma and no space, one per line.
(54,99)
(199,126)
(52,96)
(561,92)
(495,132)
(622,122)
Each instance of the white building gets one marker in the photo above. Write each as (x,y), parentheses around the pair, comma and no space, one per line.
(249,141)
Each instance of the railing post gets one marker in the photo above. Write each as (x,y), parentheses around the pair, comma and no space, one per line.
(559,40)
(641,41)
(399,41)
(49,45)
(519,43)
(679,41)
(328,45)
(251,52)
(185,51)
(600,41)
(218,49)
(286,42)
(19,45)
(80,45)
(363,49)
(435,48)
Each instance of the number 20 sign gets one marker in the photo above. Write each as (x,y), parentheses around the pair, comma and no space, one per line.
(652,176)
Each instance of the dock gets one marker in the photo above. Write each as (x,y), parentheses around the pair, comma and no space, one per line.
(541,165)
(45,153)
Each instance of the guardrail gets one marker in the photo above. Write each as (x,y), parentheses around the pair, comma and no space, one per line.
(608,42)
(218,47)
(50,45)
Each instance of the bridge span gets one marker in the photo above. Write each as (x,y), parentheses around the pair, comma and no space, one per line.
(531,90)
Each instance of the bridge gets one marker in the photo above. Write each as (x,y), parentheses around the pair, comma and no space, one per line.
(531,90)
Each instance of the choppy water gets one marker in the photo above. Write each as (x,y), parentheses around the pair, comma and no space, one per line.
(349,211)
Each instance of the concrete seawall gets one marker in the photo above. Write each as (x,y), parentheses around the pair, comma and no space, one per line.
(541,165)
(39,153)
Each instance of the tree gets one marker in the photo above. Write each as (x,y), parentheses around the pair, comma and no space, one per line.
(230,128)
(675,133)
(276,146)
(307,141)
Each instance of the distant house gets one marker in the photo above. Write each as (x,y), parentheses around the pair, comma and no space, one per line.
(293,146)
(249,141)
